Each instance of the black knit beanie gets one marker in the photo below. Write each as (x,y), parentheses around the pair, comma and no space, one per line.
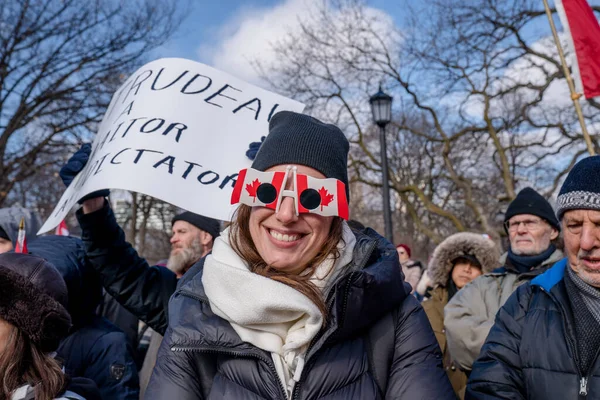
(33,297)
(528,201)
(209,225)
(581,190)
(300,139)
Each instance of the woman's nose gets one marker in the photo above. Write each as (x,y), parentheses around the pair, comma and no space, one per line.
(287,211)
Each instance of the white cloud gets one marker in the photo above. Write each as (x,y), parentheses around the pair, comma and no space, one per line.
(250,34)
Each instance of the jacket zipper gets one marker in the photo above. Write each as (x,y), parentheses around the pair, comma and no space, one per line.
(583,380)
(236,354)
(583,383)
(583,387)
(296,391)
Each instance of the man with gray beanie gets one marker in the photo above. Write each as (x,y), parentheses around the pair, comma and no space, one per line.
(546,340)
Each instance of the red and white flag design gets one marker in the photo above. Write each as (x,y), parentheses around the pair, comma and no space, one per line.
(21,246)
(248,182)
(583,36)
(332,192)
(61,229)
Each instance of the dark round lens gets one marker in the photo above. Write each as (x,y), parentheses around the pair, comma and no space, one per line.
(310,199)
(266,193)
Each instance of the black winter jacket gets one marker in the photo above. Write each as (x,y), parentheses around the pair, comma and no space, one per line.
(202,357)
(140,288)
(95,348)
(531,350)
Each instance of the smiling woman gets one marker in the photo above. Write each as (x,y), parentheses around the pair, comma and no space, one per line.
(291,303)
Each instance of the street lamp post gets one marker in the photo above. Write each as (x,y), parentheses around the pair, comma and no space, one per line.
(381,107)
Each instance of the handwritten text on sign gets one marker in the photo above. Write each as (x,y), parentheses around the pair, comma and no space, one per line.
(176,130)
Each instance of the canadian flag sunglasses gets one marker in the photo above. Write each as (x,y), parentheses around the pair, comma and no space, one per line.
(326,197)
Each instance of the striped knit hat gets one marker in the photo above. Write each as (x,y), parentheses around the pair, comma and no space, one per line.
(581,190)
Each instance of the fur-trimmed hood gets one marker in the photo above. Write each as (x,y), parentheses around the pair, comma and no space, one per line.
(460,244)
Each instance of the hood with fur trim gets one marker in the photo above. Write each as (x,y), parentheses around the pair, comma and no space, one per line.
(461,244)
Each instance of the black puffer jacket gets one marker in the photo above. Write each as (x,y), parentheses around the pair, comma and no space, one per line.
(202,357)
(531,350)
(142,289)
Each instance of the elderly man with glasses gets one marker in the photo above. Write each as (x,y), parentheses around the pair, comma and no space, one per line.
(532,227)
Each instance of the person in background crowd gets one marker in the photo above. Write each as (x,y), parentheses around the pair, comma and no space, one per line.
(142,289)
(412,270)
(33,320)
(10,218)
(94,348)
(546,339)
(456,261)
(294,304)
(531,227)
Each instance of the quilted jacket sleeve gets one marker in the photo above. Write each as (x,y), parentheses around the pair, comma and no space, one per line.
(174,376)
(140,288)
(467,323)
(416,371)
(497,373)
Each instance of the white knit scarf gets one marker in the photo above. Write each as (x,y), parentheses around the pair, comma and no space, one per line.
(269,314)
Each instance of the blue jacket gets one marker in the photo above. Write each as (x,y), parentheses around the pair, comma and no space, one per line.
(202,357)
(95,349)
(531,350)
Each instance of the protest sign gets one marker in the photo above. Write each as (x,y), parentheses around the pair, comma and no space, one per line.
(176,130)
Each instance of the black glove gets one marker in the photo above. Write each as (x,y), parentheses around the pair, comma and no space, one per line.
(253,148)
(74,166)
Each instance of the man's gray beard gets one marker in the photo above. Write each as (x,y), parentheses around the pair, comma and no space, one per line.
(180,261)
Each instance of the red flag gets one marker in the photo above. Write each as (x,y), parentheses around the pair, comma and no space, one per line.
(61,229)
(21,239)
(583,35)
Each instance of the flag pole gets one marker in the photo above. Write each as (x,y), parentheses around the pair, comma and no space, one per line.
(574,95)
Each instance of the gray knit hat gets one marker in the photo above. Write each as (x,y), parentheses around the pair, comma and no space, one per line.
(581,189)
(300,139)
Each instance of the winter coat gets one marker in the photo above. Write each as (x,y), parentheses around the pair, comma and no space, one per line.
(412,271)
(95,348)
(434,308)
(531,349)
(140,288)
(440,268)
(28,393)
(470,314)
(10,218)
(77,389)
(202,357)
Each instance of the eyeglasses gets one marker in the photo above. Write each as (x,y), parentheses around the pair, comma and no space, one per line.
(326,197)
(530,225)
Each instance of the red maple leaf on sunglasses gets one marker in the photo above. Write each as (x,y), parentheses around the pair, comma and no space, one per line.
(326,198)
(252,188)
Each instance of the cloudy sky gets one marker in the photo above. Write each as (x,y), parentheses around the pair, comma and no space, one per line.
(227,33)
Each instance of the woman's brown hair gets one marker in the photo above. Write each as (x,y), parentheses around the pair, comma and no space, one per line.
(242,243)
(21,362)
